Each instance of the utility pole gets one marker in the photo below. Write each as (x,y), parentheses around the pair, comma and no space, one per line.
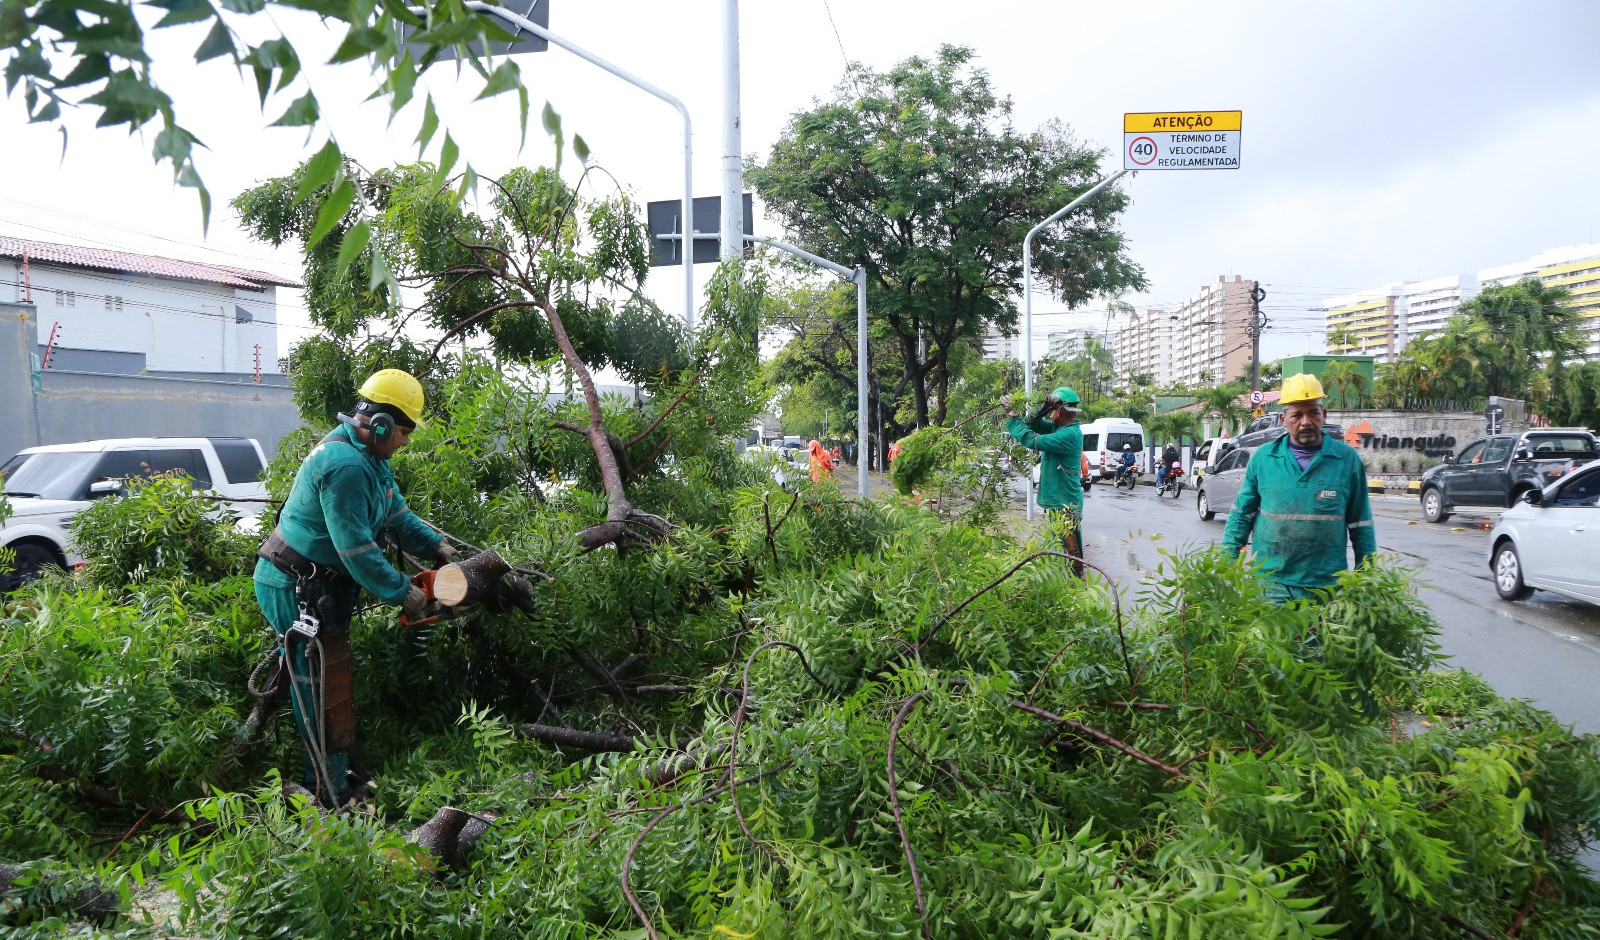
(1258,322)
(732,225)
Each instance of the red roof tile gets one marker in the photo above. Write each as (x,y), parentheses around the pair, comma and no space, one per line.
(103,259)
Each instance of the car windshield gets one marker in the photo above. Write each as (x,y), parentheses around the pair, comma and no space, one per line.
(48,475)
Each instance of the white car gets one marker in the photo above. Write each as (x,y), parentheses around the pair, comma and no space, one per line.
(1548,540)
(46,486)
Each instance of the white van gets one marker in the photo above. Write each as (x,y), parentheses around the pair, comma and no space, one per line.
(1103,439)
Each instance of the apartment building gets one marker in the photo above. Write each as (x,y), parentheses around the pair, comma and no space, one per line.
(1211,336)
(1145,346)
(1381,321)
(1367,321)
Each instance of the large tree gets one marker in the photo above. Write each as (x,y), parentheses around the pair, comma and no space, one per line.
(918,175)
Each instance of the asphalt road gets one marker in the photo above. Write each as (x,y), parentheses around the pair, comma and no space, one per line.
(1545,649)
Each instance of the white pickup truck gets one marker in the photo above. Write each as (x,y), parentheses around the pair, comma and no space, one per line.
(46,486)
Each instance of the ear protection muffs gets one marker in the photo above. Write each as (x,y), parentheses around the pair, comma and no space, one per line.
(381,424)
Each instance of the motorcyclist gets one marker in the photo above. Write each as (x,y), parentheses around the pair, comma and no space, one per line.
(1130,462)
(1169,458)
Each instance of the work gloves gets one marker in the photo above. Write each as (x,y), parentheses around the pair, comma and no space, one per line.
(414,602)
(447,552)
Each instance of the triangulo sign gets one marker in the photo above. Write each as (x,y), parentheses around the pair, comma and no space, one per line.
(1181,140)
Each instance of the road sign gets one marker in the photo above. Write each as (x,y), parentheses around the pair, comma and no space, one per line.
(662,220)
(1258,413)
(1181,140)
(1257,397)
(536,11)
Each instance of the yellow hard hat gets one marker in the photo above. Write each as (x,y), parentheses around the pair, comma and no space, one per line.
(1302,387)
(397,388)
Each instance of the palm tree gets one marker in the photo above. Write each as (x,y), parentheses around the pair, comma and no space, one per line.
(1223,403)
(1531,325)
(1345,381)
(1340,337)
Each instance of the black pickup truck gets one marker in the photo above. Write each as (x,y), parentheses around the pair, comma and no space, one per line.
(1495,471)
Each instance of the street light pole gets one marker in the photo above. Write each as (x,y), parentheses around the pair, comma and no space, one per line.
(1027,290)
(641,84)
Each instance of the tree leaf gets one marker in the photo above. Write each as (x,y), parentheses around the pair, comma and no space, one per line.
(244,6)
(361,42)
(430,123)
(90,68)
(355,241)
(303,112)
(183,11)
(402,83)
(332,211)
(503,79)
(219,42)
(319,170)
(580,148)
(447,155)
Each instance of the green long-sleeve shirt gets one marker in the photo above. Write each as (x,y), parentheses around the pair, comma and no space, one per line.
(1300,520)
(342,497)
(1060,460)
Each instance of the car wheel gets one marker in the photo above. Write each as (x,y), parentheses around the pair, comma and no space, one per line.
(1203,506)
(1433,505)
(30,559)
(1508,573)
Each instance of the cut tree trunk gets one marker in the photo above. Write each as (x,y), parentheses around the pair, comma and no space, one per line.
(469,581)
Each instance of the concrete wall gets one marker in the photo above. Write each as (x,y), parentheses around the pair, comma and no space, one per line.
(84,405)
(1411,434)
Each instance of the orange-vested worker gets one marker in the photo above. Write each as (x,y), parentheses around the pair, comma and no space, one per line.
(821,462)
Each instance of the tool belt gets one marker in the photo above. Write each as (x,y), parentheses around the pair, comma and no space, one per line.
(329,595)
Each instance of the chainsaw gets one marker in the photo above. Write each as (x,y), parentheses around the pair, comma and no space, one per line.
(433,611)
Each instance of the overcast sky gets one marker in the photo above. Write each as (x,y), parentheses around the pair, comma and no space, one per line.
(1382,141)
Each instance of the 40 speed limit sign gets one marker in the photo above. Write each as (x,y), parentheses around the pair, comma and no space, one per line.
(1181,140)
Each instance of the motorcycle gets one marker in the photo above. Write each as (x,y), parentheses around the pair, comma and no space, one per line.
(1127,476)
(1173,483)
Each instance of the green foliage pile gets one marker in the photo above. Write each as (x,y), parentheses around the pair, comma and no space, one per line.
(848,718)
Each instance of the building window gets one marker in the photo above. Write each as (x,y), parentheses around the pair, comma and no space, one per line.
(61,297)
(72,298)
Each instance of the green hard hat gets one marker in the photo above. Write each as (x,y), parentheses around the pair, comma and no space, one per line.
(1066,396)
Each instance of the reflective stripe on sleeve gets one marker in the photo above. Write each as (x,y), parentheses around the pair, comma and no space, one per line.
(1364,522)
(359,550)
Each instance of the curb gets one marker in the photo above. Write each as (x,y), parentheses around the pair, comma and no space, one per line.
(1374,486)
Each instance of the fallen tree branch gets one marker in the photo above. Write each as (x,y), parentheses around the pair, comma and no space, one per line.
(899,817)
(602,741)
(1097,735)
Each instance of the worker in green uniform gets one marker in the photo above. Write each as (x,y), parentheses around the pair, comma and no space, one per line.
(326,548)
(1055,434)
(1303,498)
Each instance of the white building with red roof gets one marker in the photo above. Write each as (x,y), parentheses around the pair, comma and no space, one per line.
(121,313)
